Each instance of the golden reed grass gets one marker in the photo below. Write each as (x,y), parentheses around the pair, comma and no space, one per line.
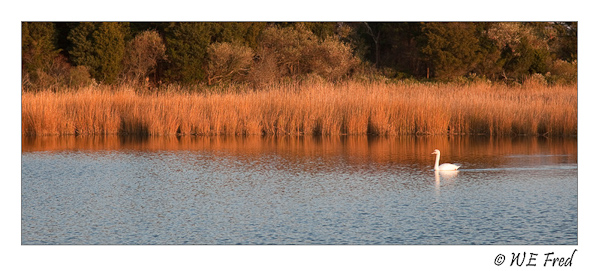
(315,108)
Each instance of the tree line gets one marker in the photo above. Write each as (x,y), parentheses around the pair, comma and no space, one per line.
(56,55)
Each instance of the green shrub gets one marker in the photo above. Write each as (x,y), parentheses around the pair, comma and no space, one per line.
(562,72)
(79,77)
(534,80)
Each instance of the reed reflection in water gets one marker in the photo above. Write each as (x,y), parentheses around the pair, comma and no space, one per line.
(405,149)
(298,190)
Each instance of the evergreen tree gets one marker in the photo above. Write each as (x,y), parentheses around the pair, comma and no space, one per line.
(38,48)
(491,64)
(238,33)
(100,47)
(109,46)
(449,49)
(495,50)
(187,45)
(82,49)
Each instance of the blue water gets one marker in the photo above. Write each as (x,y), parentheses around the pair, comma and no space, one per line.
(334,192)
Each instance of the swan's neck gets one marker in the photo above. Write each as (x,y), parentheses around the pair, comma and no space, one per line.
(437,161)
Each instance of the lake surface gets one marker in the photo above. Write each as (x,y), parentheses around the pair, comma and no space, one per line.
(298,190)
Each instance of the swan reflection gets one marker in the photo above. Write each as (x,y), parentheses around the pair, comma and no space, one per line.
(445,176)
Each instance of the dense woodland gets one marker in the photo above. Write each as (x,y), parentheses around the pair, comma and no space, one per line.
(70,55)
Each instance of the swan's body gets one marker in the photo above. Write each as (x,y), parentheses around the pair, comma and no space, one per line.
(443,167)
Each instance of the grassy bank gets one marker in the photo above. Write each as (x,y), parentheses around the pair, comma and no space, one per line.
(309,109)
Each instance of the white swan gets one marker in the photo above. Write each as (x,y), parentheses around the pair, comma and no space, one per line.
(445,166)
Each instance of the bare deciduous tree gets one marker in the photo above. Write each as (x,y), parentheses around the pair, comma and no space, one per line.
(142,55)
(227,61)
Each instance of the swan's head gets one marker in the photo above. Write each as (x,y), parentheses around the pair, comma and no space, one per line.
(436,152)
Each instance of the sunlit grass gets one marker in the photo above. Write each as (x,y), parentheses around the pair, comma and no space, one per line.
(315,108)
